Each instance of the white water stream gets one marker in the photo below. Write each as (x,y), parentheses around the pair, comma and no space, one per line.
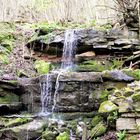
(67,64)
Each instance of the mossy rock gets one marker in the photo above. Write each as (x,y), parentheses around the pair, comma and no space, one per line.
(42,67)
(17,121)
(117,92)
(128,91)
(43,38)
(133,73)
(8,97)
(136,101)
(116,100)
(46,28)
(125,107)
(45,31)
(111,86)
(13,83)
(93,65)
(98,130)
(63,136)
(96,120)
(136,97)
(49,135)
(104,95)
(21,73)
(107,106)
(100,95)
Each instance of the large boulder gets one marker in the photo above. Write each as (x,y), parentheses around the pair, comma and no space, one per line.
(31,130)
(107,106)
(117,75)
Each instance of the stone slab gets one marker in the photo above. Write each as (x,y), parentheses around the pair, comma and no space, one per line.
(126,124)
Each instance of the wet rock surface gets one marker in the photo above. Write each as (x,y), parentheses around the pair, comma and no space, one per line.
(76,90)
(91,40)
(31,130)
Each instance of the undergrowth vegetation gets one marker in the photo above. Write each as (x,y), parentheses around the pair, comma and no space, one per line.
(6,41)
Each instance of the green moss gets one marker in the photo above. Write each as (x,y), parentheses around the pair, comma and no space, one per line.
(4,53)
(96,120)
(17,121)
(73,125)
(99,66)
(136,101)
(6,32)
(92,65)
(117,93)
(107,106)
(63,136)
(5,35)
(104,95)
(98,130)
(4,58)
(9,97)
(136,97)
(8,44)
(6,41)
(42,38)
(13,82)
(42,67)
(21,73)
(48,28)
(116,64)
(127,91)
(100,95)
(49,135)
(133,73)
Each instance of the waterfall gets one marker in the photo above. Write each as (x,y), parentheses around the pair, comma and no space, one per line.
(67,63)
(46,94)
(69,49)
(56,92)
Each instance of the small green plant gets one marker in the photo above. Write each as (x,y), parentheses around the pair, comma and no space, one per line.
(121,135)
(115,115)
(117,64)
(111,119)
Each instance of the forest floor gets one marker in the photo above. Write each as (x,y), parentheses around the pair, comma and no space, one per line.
(18,66)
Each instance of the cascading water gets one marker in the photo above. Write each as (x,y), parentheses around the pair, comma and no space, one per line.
(69,49)
(67,63)
(46,94)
